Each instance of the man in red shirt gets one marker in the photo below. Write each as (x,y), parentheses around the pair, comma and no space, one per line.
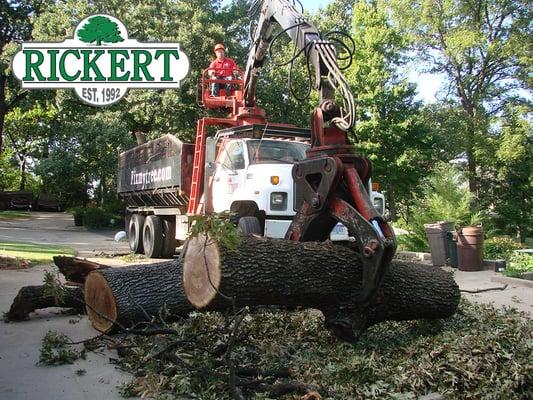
(221,67)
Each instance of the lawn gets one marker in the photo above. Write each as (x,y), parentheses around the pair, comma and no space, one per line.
(11,214)
(35,252)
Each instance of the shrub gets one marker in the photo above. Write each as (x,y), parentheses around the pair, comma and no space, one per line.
(97,218)
(445,198)
(519,264)
(78,211)
(499,247)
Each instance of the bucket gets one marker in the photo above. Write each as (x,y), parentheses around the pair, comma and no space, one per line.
(470,248)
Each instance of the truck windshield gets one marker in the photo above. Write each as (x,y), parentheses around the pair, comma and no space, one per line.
(275,151)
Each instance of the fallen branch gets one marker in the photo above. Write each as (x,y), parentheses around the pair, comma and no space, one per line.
(485,290)
(31,298)
(76,269)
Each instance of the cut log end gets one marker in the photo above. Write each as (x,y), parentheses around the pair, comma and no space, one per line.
(201,270)
(100,302)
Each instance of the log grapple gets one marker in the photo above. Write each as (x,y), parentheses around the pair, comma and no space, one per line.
(332,181)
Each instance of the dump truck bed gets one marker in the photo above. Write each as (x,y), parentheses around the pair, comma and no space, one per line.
(156,173)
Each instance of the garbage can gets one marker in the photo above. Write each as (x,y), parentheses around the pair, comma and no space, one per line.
(452,249)
(470,248)
(438,245)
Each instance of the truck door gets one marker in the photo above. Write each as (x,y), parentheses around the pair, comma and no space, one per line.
(229,175)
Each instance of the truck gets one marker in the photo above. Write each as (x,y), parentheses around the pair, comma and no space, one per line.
(245,167)
(249,174)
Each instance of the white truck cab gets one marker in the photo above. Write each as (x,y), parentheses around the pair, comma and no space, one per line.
(252,177)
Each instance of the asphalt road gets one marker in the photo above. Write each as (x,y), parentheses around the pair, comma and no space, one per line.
(21,378)
(59,229)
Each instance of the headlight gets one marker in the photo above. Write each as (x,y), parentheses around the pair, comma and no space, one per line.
(278,201)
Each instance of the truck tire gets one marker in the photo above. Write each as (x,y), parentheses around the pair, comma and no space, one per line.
(135,233)
(152,236)
(249,226)
(169,239)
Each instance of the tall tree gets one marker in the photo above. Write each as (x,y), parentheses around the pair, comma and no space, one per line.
(390,130)
(28,132)
(508,181)
(484,49)
(16,27)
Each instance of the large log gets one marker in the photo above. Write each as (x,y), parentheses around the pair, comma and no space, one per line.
(122,297)
(324,276)
(31,298)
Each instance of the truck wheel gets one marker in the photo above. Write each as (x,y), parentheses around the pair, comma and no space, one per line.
(169,239)
(135,233)
(152,236)
(249,226)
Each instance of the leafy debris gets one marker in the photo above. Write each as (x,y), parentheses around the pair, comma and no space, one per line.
(480,352)
(57,349)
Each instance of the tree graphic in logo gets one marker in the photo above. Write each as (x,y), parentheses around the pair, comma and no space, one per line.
(100,29)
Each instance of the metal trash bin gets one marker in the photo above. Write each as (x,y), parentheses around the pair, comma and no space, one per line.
(452,248)
(470,248)
(436,234)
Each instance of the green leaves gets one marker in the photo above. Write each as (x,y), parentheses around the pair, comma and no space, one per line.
(480,352)
(53,286)
(57,350)
(219,227)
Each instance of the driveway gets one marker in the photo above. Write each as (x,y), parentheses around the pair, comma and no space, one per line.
(59,229)
(20,375)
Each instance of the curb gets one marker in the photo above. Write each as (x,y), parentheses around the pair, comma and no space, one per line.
(512,281)
(413,255)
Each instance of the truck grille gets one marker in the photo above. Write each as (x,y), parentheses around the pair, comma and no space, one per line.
(298,197)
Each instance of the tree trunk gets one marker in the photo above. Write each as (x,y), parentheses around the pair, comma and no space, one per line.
(76,269)
(125,296)
(391,199)
(3,108)
(317,275)
(31,298)
(22,169)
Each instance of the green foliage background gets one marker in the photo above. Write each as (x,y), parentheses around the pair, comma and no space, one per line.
(482,49)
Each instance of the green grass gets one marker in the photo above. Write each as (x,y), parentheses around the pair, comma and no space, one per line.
(35,252)
(10,214)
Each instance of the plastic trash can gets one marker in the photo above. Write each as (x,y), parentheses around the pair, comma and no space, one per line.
(438,244)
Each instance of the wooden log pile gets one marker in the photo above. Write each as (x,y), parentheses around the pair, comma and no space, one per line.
(260,272)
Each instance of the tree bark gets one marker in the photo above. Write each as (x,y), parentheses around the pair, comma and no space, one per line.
(3,108)
(31,298)
(324,276)
(22,170)
(121,297)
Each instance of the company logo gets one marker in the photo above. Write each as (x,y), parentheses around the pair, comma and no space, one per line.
(100,63)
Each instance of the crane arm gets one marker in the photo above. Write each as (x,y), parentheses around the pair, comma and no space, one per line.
(320,53)
(333,177)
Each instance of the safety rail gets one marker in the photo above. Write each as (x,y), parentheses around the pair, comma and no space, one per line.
(204,96)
